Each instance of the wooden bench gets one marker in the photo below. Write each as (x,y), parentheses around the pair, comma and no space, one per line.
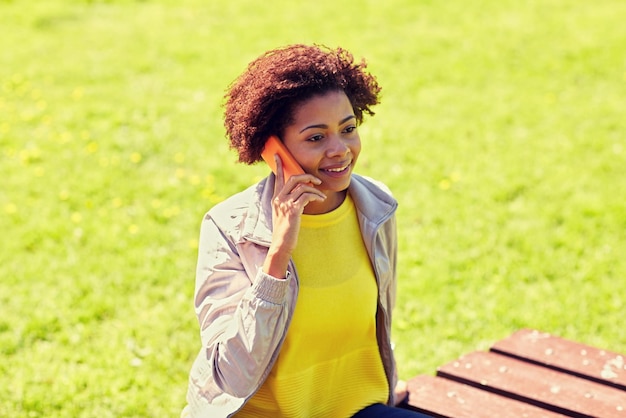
(529,374)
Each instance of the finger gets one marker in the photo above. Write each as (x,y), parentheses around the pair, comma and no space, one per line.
(303,183)
(280,177)
(307,188)
(305,193)
(306,179)
(306,198)
(301,180)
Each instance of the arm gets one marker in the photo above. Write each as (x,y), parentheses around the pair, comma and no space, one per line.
(288,202)
(243,311)
(242,318)
(400,389)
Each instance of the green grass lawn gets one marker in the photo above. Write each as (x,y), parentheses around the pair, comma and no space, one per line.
(501,132)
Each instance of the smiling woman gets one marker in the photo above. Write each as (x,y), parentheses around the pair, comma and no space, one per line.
(326,144)
(270,314)
(262,100)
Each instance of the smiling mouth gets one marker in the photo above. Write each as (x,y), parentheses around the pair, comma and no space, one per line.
(337,170)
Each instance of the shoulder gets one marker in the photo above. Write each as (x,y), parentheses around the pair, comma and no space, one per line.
(364,184)
(238,206)
(372,198)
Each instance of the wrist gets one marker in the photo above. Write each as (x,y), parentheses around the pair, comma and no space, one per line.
(276,264)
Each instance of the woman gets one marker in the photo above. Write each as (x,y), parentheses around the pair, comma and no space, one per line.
(296,276)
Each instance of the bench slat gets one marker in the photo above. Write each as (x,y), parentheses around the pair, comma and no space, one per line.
(443,398)
(540,386)
(581,360)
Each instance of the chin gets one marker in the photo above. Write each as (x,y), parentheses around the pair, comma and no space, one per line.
(338,188)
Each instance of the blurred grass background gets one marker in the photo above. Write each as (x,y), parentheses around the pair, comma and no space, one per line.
(501,133)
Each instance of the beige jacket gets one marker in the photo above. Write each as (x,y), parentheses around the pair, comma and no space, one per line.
(244,313)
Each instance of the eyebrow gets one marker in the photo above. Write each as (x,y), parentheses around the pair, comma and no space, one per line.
(323,126)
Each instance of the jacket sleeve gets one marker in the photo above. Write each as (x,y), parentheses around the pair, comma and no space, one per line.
(242,313)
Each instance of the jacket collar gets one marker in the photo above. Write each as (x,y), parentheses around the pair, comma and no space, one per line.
(373,201)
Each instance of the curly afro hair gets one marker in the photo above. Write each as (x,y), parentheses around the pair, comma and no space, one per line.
(261,101)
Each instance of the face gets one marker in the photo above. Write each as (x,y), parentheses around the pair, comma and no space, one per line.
(323,138)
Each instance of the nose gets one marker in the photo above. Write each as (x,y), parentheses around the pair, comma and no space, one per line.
(337,147)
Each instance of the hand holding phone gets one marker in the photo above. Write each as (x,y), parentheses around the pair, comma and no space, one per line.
(290,165)
(297,195)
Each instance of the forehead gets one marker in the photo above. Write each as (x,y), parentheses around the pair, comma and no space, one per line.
(327,105)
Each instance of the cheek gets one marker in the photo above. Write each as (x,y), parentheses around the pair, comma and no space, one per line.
(307,161)
(356,148)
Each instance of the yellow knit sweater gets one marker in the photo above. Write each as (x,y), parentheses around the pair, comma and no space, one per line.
(329,364)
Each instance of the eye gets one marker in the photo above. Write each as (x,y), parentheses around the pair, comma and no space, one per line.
(350,129)
(316,138)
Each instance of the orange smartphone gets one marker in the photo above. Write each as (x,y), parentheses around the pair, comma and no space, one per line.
(290,165)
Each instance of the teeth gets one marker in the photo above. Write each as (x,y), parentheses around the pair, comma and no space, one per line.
(336,170)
